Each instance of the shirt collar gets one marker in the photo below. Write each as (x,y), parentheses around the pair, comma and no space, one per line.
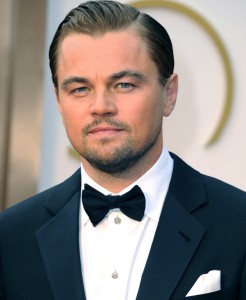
(154,184)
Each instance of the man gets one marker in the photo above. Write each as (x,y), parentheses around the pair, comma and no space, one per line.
(177,234)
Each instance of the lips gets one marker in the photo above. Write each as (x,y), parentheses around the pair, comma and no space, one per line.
(106,130)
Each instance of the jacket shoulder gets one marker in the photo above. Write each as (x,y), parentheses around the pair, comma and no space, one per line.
(35,206)
(225,194)
(188,183)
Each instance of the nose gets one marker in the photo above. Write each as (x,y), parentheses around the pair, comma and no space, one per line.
(103,104)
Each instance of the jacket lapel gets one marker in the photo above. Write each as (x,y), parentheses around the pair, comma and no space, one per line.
(58,242)
(177,237)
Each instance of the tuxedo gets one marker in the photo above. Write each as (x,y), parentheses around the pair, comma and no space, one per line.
(202,227)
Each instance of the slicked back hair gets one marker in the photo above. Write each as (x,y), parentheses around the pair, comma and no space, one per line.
(103,16)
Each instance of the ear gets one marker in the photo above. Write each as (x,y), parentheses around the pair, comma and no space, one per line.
(171,91)
(57,101)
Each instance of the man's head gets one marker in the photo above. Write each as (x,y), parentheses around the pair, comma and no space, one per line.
(99,17)
(114,83)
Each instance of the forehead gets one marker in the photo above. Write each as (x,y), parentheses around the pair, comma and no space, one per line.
(104,53)
(108,41)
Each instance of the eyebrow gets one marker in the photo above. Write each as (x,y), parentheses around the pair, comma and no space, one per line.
(73,79)
(128,73)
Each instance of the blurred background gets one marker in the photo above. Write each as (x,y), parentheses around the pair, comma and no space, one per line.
(207,128)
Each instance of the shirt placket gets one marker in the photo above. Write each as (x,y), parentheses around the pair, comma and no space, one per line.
(117,240)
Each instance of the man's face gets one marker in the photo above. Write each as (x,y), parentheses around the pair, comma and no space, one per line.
(111,101)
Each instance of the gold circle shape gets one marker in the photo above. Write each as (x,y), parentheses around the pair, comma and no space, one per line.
(220,47)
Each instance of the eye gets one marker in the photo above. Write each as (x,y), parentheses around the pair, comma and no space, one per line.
(125,86)
(82,90)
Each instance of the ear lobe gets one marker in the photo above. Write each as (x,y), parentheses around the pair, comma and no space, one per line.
(171,91)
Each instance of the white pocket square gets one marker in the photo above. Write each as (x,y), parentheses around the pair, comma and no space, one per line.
(206,283)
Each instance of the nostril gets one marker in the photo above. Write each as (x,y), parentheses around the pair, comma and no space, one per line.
(103,107)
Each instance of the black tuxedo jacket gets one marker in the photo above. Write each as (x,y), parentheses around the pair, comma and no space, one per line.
(202,227)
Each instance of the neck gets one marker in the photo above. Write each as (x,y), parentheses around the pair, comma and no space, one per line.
(116,182)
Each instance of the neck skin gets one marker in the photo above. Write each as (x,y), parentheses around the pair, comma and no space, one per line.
(116,182)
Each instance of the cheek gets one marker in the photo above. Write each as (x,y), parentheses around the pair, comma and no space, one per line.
(146,121)
(71,113)
(150,113)
(72,121)
(148,124)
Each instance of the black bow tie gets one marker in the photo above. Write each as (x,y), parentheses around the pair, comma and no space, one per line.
(97,205)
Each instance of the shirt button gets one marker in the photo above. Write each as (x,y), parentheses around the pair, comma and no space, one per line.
(117,220)
(115,275)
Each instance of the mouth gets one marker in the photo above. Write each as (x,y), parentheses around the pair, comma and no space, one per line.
(104,131)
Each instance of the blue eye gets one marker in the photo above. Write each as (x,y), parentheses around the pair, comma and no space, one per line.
(81,89)
(125,85)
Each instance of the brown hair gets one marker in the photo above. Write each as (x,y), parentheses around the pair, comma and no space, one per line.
(99,17)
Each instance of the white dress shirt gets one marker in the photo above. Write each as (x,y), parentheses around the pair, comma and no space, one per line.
(114,253)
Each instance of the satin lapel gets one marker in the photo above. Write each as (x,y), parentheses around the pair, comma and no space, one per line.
(58,242)
(177,238)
